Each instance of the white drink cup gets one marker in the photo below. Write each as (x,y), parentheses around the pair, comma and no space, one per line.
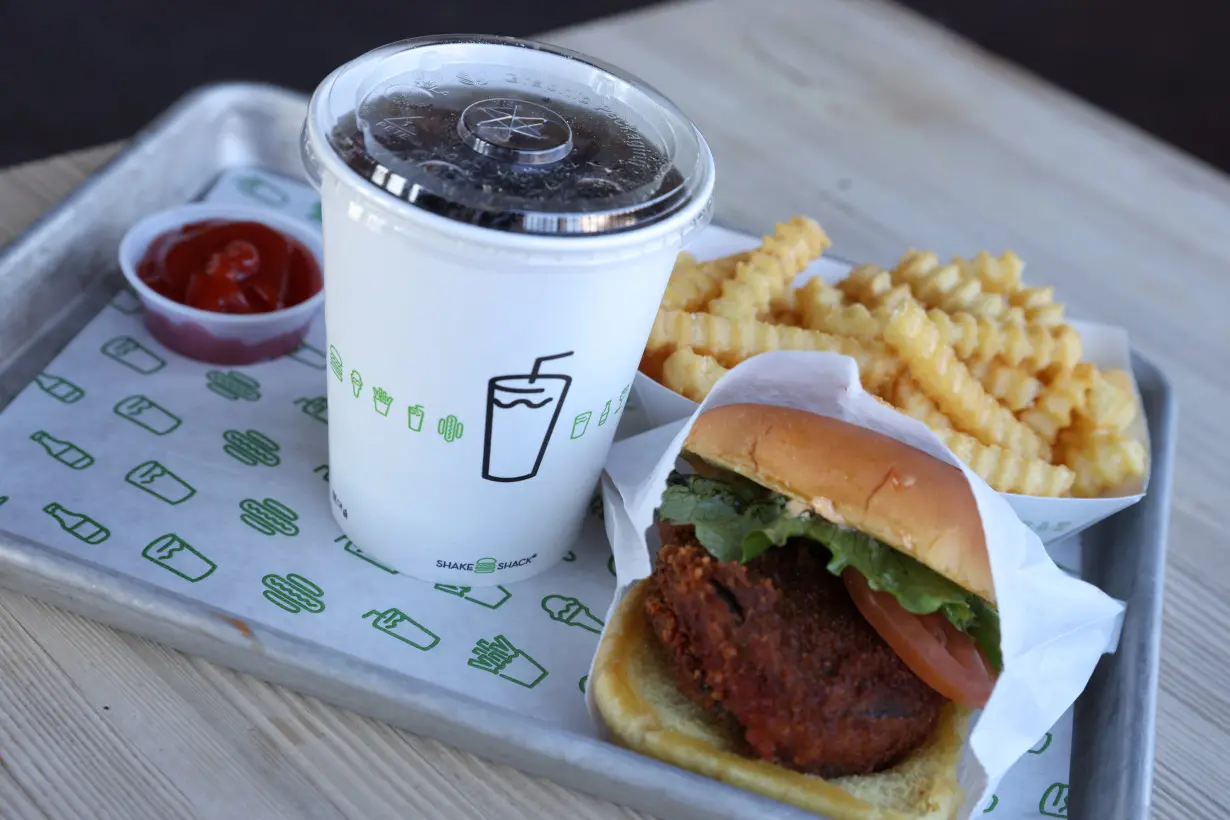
(500,219)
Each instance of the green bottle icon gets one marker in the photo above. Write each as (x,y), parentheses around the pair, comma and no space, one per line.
(65,452)
(251,448)
(356,383)
(147,413)
(154,478)
(335,363)
(78,525)
(489,597)
(570,611)
(414,417)
(266,193)
(382,400)
(580,424)
(317,408)
(450,427)
(294,593)
(354,550)
(59,388)
(401,626)
(133,355)
(606,413)
(178,557)
(233,385)
(305,353)
(125,301)
(1054,802)
(269,517)
(499,657)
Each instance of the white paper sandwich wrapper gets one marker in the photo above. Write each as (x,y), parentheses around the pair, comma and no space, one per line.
(1054,627)
(1051,518)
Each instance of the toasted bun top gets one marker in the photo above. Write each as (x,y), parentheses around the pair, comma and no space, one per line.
(853,476)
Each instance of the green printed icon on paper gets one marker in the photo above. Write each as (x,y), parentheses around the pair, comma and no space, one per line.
(570,556)
(78,525)
(262,191)
(307,354)
(133,355)
(490,597)
(323,469)
(4,499)
(178,557)
(294,593)
(269,517)
(606,413)
(610,565)
(335,363)
(401,626)
(580,424)
(251,448)
(499,657)
(125,301)
(1054,802)
(317,408)
(991,807)
(154,478)
(356,383)
(581,683)
(572,612)
(353,549)
(382,400)
(1042,745)
(147,413)
(414,417)
(450,427)
(595,507)
(314,212)
(59,388)
(65,452)
(233,385)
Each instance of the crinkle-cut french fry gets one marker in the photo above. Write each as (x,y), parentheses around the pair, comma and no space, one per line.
(873,288)
(691,375)
(945,286)
(693,284)
(769,270)
(1009,472)
(1030,347)
(1067,393)
(730,341)
(996,275)
(1038,305)
(1011,385)
(1112,402)
(947,380)
(910,399)
(1101,460)
(785,309)
(818,313)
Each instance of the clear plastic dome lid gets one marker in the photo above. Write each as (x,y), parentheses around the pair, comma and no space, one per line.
(510,135)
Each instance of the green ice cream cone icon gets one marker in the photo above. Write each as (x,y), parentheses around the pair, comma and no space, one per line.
(401,626)
(499,657)
(356,383)
(572,612)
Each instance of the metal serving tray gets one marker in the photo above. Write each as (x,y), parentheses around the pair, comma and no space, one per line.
(175,159)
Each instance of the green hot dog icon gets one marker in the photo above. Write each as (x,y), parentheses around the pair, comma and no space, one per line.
(270,517)
(335,363)
(294,593)
(317,408)
(450,427)
(251,448)
(233,385)
(401,626)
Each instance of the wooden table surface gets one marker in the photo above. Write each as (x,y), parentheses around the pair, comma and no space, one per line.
(893,133)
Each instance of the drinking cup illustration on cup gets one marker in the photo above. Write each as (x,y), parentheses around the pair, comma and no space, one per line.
(251,448)
(133,355)
(178,557)
(154,478)
(522,410)
(147,413)
(317,407)
(580,424)
(293,593)
(570,611)
(499,657)
(233,385)
(414,417)
(401,626)
(59,388)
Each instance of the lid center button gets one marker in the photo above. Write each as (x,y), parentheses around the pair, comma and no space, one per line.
(515,130)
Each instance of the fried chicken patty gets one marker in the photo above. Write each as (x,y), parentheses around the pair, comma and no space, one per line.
(777,648)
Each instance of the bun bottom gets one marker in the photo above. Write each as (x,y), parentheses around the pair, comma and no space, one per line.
(645,711)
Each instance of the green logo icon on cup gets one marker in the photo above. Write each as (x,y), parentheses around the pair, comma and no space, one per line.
(59,388)
(570,611)
(148,414)
(484,566)
(356,383)
(499,657)
(233,385)
(154,478)
(580,424)
(178,557)
(382,400)
(78,525)
(133,355)
(294,593)
(414,417)
(401,626)
(606,413)
(251,448)
(269,517)
(335,363)
(1054,802)
(450,427)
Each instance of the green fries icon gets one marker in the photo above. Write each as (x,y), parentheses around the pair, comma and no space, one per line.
(251,448)
(294,593)
(382,400)
(269,517)
(500,657)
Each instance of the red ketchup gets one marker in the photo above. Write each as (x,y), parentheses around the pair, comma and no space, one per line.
(230,267)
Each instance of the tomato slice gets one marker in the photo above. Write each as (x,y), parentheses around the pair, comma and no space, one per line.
(942,656)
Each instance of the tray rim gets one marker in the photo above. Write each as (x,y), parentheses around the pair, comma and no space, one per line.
(190,626)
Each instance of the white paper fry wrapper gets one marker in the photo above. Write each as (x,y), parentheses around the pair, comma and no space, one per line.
(1054,627)
(1051,518)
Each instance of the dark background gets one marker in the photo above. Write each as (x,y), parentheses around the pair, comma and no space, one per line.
(75,73)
